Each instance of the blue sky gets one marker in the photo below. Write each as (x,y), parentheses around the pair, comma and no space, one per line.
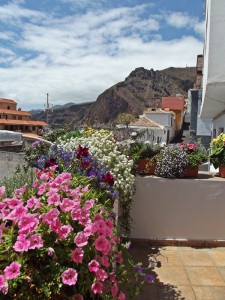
(75,49)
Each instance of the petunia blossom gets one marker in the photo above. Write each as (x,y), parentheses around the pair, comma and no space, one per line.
(69,276)
(12,271)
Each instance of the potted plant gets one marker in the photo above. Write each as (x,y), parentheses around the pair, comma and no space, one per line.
(196,155)
(144,155)
(171,162)
(217,156)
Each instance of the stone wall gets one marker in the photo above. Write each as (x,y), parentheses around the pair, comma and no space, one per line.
(8,163)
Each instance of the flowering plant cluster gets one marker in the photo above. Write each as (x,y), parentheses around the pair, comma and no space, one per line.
(58,242)
(105,148)
(80,161)
(171,162)
(217,156)
(196,154)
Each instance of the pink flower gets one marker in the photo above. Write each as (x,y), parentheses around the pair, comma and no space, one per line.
(69,276)
(102,244)
(13,203)
(122,296)
(33,203)
(114,290)
(119,258)
(81,239)
(51,251)
(76,214)
(67,204)
(89,204)
(97,287)
(35,242)
(99,227)
(93,266)
(22,244)
(44,177)
(2,282)
(98,217)
(88,229)
(54,199)
(12,271)
(105,261)
(64,231)
(77,255)
(101,275)
(5,288)
(2,191)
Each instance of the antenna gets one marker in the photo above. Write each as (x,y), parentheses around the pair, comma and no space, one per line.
(47,108)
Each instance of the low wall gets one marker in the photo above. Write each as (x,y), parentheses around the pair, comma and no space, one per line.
(190,209)
(8,163)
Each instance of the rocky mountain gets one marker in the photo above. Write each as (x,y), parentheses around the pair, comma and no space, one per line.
(142,88)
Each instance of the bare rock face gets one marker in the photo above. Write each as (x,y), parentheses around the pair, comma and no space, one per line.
(142,88)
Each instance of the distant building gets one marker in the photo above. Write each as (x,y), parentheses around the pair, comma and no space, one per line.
(164,118)
(17,120)
(175,104)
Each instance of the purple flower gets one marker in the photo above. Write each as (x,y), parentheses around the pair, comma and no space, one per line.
(149,278)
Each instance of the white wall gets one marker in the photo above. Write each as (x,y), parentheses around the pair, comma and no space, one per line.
(219,124)
(178,209)
(214,60)
(161,118)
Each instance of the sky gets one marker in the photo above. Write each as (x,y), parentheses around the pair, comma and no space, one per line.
(76,49)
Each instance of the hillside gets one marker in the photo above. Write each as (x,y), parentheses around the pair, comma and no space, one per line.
(142,88)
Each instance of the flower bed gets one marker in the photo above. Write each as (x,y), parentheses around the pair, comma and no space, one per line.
(58,237)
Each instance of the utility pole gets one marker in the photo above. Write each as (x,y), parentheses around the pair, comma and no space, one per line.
(47,109)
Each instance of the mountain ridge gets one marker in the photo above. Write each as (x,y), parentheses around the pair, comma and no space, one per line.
(142,88)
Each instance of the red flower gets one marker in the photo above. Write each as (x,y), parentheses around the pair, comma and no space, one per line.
(82,151)
(108,178)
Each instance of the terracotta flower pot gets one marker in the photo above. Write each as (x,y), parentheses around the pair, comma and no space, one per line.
(191,172)
(222,171)
(144,167)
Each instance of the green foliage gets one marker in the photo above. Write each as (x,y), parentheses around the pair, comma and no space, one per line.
(22,176)
(141,150)
(125,119)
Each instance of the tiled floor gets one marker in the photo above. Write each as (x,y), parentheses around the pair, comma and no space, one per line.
(183,272)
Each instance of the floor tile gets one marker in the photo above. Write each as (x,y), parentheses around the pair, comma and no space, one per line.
(209,293)
(218,256)
(196,258)
(178,293)
(205,276)
(172,275)
(222,272)
(168,258)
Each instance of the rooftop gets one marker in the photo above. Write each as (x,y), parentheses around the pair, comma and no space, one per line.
(3,100)
(146,122)
(22,122)
(14,112)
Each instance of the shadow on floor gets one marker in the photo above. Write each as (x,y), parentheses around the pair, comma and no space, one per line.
(141,252)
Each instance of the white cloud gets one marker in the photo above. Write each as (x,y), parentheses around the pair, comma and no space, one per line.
(181,20)
(76,57)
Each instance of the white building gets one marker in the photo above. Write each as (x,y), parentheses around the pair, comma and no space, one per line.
(213,100)
(164,118)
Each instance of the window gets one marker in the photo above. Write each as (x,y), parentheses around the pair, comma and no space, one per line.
(33,128)
(14,117)
(19,118)
(214,133)
(8,107)
(5,117)
(221,130)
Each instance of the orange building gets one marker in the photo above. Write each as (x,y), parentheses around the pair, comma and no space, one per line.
(14,119)
(175,104)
